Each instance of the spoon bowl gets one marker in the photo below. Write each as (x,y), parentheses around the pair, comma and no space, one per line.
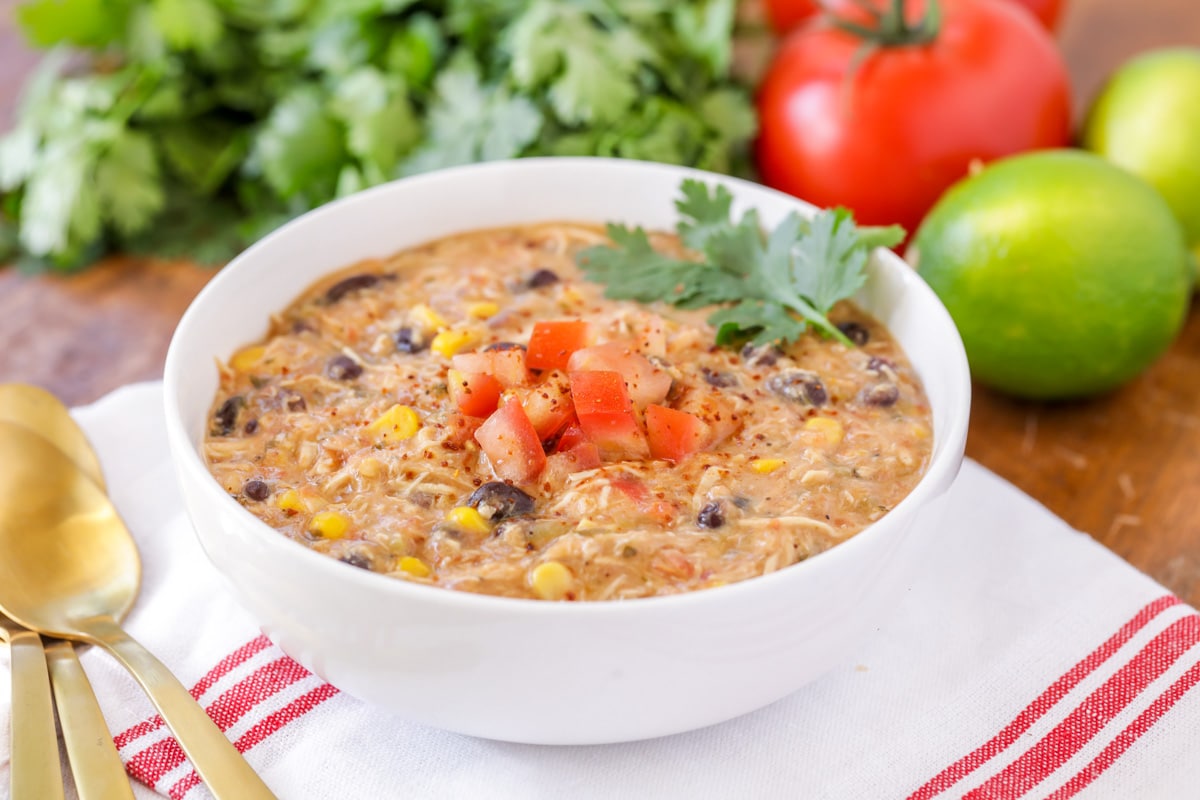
(70,568)
(44,414)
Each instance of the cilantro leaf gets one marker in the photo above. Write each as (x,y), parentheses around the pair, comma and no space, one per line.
(188,24)
(127,182)
(769,288)
(473,122)
(590,71)
(702,214)
(380,124)
(300,149)
(83,23)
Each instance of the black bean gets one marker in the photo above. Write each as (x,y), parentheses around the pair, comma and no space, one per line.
(250,427)
(408,340)
(296,403)
(855,332)
(348,285)
(356,560)
(543,277)
(256,489)
(496,500)
(881,394)
(503,346)
(711,516)
(343,368)
(881,366)
(721,380)
(799,386)
(225,419)
(764,356)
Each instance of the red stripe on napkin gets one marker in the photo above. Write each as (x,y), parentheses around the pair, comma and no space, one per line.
(150,764)
(1130,735)
(234,704)
(1093,714)
(155,761)
(1038,708)
(223,667)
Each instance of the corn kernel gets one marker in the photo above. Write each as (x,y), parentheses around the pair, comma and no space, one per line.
(920,431)
(828,426)
(396,424)
(550,580)
(765,466)
(482,310)
(248,359)
(329,524)
(425,317)
(451,341)
(414,566)
(292,502)
(468,520)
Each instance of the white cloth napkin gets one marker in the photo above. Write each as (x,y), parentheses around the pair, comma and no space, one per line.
(1027,661)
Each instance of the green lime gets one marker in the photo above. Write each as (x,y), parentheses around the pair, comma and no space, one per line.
(1147,120)
(1065,275)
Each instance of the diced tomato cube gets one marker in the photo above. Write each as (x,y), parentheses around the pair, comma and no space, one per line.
(552,343)
(475,394)
(606,415)
(506,366)
(548,404)
(460,428)
(571,436)
(647,382)
(674,435)
(511,444)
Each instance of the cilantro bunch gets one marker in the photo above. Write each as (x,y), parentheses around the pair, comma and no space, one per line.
(770,287)
(191,127)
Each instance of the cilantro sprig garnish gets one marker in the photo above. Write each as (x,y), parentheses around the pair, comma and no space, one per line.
(770,286)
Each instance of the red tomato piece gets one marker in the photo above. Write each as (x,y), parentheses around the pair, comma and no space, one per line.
(646,382)
(552,343)
(571,436)
(506,366)
(886,134)
(476,394)
(460,428)
(548,404)
(511,444)
(606,415)
(674,435)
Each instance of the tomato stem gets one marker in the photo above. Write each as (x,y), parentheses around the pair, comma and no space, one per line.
(889,28)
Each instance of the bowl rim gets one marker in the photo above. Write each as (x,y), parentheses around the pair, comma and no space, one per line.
(945,461)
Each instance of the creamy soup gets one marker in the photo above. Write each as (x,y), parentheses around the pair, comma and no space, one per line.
(473,414)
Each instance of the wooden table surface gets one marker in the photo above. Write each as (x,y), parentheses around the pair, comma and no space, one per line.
(1125,468)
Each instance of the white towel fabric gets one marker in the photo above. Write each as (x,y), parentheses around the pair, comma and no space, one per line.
(1027,661)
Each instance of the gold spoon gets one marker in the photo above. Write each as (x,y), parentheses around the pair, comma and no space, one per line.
(95,763)
(34,764)
(69,568)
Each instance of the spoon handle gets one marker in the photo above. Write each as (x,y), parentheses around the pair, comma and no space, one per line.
(99,773)
(215,759)
(36,771)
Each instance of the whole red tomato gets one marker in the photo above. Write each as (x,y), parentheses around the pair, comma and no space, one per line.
(787,14)
(1048,11)
(884,132)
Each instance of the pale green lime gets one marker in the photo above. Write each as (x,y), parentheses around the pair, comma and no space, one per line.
(1147,120)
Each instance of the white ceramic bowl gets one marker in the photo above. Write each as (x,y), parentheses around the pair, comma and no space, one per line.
(525,670)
